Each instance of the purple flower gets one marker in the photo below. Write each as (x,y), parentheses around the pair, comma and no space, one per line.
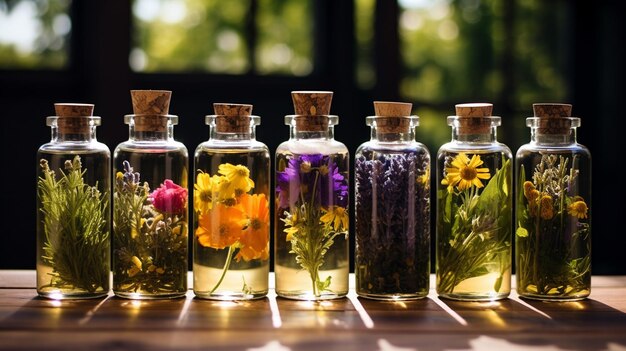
(392,222)
(129,175)
(288,186)
(314,177)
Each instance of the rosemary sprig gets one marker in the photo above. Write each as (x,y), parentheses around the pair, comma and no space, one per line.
(76,242)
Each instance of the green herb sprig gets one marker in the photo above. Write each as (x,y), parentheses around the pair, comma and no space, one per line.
(552,235)
(477,232)
(76,242)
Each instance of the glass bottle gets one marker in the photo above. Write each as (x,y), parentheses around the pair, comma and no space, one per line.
(311,213)
(150,203)
(553,217)
(231,208)
(392,207)
(73,207)
(474,214)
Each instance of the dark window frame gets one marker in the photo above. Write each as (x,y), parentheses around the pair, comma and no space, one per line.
(99,49)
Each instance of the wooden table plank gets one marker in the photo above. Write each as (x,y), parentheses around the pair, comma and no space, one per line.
(17,279)
(271,323)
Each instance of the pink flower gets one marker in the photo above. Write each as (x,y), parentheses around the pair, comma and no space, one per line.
(169,198)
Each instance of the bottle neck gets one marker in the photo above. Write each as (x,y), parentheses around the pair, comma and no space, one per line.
(461,135)
(536,137)
(151,127)
(296,134)
(247,136)
(150,135)
(386,137)
(314,127)
(58,136)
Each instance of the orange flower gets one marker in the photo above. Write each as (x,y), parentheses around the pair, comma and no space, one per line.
(547,210)
(578,209)
(220,227)
(528,187)
(254,240)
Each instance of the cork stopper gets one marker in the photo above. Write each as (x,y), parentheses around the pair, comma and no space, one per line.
(151,102)
(151,108)
(553,118)
(472,118)
(392,109)
(73,110)
(391,117)
(232,118)
(552,110)
(312,109)
(72,117)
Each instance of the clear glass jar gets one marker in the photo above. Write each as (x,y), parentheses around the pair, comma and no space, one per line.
(311,213)
(553,217)
(150,212)
(231,208)
(73,207)
(392,211)
(474,213)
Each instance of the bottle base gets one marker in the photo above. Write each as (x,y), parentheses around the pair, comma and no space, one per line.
(551,298)
(392,297)
(144,296)
(57,295)
(474,297)
(307,296)
(229,296)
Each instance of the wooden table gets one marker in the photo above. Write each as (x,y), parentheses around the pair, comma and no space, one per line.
(28,322)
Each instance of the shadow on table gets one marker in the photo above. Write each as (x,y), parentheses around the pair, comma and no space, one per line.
(227,315)
(337,314)
(587,313)
(41,313)
(436,324)
(346,324)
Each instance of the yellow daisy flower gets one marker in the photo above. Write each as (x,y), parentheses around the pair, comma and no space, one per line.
(446,181)
(465,172)
(203,192)
(578,209)
(337,216)
(238,177)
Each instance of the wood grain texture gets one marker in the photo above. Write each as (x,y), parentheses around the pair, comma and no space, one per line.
(271,323)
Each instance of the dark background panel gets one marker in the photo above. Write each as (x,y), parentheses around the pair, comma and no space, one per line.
(99,73)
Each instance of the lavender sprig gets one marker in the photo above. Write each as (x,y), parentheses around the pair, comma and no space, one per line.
(392,223)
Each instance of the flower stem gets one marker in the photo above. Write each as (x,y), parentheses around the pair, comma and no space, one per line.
(229,258)
(314,281)
(313,242)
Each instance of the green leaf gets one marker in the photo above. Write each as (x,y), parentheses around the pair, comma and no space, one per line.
(521,232)
(498,284)
(520,187)
(323,285)
(496,190)
(446,198)
(477,272)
